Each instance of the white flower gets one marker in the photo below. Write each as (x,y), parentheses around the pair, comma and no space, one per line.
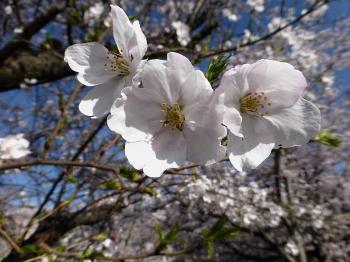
(258,5)
(172,119)
(14,147)
(182,32)
(94,12)
(265,110)
(291,248)
(30,81)
(226,12)
(110,72)
(18,30)
(8,10)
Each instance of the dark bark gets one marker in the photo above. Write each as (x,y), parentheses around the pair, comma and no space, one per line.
(43,65)
(34,27)
(54,227)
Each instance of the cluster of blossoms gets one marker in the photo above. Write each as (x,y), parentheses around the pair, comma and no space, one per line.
(13,147)
(245,205)
(169,114)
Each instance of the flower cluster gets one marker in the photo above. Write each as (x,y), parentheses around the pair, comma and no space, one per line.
(168,113)
(13,147)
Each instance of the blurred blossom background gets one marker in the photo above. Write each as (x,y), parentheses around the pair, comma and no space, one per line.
(67,193)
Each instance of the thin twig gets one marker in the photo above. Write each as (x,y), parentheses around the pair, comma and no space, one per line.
(10,241)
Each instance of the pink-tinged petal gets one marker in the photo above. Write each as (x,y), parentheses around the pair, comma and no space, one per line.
(141,156)
(179,68)
(169,147)
(155,76)
(234,85)
(135,79)
(141,48)
(193,90)
(138,153)
(83,56)
(95,76)
(135,115)
(281,82)
(295,125)
(232,120)
(166,150)
(250,151)
(89,61)
(203,131)
(99,100)
(123,31)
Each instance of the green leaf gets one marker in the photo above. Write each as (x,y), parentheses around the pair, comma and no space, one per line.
(211,249)
(2,218)
(216,68)
(150,191)
(166,239)
(100,237)
(225,233)
(218,232)
(60,249)
(160,232)
(111,185)
(328,139)
(217,226)
(130,174)
(172,235)
(29,248)
(72,179)
(91,253)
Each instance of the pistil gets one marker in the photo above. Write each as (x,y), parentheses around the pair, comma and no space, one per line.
(174,116)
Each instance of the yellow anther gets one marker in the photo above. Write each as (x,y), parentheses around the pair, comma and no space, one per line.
(116,63)
(254,103)
(174,116)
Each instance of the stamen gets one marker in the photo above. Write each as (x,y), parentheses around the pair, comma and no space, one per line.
(174,116)
(116,63)
(255,104)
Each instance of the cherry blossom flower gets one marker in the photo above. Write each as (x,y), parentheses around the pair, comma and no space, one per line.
(172,119)
(13,147)
(109,71)
(94,12)
(182,32)
(264,109)
(258,5)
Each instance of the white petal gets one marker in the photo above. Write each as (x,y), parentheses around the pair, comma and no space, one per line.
(99,100)
(95,76)
(250,151)
(233,120)
(234,85)
(195,88)
(169,149)
(135,115)
(83,56)
(141,40)
(88,60)
(155,76)
(281,82)
(123,31)
(203,131)
(137,153)
(179,68)
(295,125)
